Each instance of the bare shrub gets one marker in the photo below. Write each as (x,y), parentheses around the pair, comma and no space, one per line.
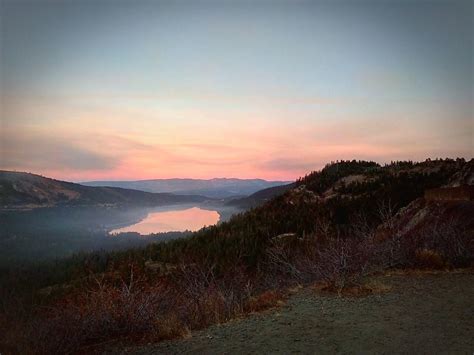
(390,249)
(386,211)
(137,307)
(283,260)
(340,262)
(450,239)
(104,311)
(205,300)
(344,262)
(361,228)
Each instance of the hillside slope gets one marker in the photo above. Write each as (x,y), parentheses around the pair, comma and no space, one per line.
(337,226)
(214,188)
(338,198)
(24,190)
(260,197)
(354,179)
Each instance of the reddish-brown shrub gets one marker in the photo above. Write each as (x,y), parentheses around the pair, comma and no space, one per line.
(131,303)
(429,259)
(265,300)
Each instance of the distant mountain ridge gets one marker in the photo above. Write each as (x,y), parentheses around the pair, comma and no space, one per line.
(25,190)
(213,188)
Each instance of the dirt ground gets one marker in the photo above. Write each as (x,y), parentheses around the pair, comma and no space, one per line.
(421,313)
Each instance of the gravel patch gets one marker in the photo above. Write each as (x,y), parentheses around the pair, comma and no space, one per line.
(422,313)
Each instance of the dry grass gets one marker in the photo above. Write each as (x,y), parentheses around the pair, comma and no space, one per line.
(169,327)
(422,272)
(429,259)
(368,287)
(266,300)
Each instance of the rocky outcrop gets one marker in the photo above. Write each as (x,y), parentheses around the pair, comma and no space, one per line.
(458,193)
(422,213)
(464,176)
(301,194)
(160,268)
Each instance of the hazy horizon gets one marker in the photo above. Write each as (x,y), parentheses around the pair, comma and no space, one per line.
(112,179)
(134,90)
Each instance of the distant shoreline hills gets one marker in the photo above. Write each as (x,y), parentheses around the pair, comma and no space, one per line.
(337,180)
(218,188)
(20,190)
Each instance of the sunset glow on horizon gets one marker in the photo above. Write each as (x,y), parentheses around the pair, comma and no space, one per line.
(133,90)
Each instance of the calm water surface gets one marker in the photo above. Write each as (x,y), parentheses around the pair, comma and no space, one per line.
(191,219)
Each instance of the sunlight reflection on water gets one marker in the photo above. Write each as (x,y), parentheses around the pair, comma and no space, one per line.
(191,219)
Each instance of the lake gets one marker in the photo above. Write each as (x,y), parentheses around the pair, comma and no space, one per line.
(191,219)
(57,232)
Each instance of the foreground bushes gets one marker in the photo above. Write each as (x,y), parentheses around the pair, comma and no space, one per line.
(129,301)
(344,261)
(135,306)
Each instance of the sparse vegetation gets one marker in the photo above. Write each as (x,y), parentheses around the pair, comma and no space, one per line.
(246,264)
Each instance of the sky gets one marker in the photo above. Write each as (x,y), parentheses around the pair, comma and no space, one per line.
(95,90)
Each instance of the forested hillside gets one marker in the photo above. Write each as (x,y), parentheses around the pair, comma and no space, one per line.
(260,197)
(24,190)
(336,226)
(339,196)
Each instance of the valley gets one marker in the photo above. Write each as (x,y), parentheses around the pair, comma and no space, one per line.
(217,188)
(236,177)
(336,227)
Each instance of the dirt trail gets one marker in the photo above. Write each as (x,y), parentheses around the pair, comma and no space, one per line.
(429,314)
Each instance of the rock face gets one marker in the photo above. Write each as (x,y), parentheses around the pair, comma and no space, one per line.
(423,213)
(301,194)
(458,193)
(464,176)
